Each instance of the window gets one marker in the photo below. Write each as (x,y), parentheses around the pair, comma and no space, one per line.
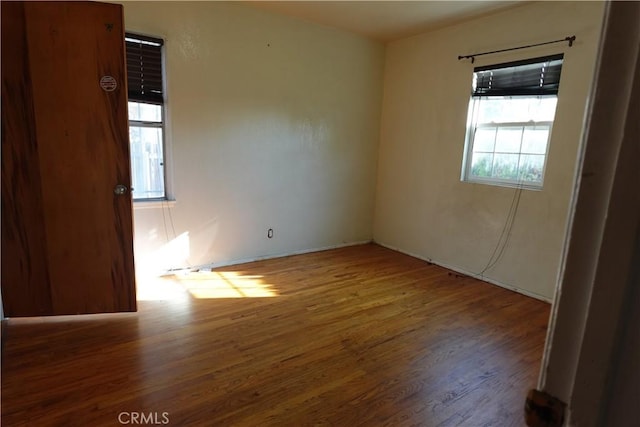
(510,117)
(146,116)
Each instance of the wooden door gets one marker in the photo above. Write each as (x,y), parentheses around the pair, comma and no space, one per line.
(67,238)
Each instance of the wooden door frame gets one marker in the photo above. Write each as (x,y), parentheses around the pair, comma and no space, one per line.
(597,273)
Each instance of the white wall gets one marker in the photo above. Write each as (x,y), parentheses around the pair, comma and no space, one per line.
(274,123)
(422,207)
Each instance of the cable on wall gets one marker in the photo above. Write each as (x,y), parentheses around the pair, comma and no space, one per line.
(164,220)
(165,205)
(501,244)
(472,56)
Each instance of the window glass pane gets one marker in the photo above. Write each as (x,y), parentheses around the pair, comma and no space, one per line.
(531,167)
(481,164)
(143,112)
(534,140)
(516,109)
(490,110)
(505,166)
(484,139)
(147,162)
(508,140)
(545,110)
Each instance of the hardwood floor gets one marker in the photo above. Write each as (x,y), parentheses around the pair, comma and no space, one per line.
(359,336)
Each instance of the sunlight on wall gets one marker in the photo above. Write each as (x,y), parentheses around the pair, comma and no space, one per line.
(223,284)
(156,288)
(172,255)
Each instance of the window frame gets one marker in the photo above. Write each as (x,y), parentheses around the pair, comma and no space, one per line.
(154,125)
(473,126)
(162,124)
(485,92)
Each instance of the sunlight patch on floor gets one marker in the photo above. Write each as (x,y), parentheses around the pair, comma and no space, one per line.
(223,284)
(184,285)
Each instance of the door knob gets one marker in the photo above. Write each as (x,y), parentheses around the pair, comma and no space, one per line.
(120,190)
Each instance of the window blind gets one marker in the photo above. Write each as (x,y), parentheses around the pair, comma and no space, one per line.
(537,76)
(144,68)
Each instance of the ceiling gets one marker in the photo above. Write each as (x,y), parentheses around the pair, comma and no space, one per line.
(384,20)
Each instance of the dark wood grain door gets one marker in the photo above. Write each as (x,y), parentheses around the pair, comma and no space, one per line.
(67,238)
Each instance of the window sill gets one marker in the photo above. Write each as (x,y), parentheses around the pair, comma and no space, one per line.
(507,184)
(153,204)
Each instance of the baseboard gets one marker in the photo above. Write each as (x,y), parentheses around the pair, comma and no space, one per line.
(364,242)
(260,258)
(468,273)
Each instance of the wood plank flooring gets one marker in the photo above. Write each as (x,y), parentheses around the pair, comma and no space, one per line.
(358,336)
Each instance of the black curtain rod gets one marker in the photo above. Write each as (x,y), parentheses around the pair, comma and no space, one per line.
(569,39)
